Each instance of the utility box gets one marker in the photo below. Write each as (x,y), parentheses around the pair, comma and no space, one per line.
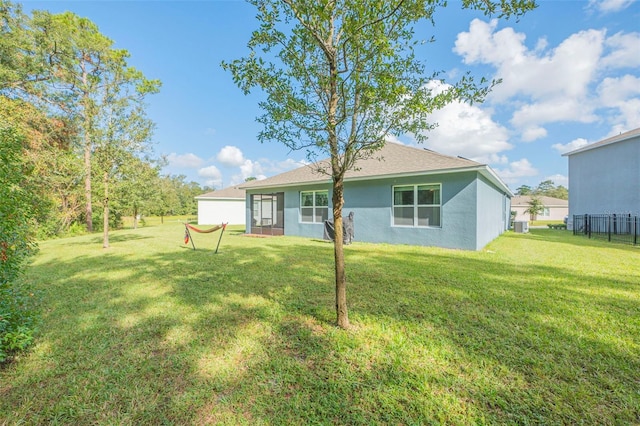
(521,226)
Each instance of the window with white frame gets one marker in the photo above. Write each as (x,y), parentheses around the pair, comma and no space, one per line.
(417,205)
(314,206)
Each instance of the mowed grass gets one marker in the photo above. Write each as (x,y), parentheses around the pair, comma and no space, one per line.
(539,328)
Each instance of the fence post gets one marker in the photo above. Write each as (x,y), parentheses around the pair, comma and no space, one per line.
(635,231)
(587,225)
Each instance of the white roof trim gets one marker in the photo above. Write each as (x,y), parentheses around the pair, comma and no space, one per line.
(609,141)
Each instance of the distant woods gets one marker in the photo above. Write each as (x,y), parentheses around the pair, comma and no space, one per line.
(78,110)
(545,188)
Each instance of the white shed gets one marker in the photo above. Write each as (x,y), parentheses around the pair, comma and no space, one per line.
(226,205)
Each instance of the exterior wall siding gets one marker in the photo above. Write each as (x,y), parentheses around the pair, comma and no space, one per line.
(215,212)
(372,201)
(492,212)
(373,215)
(605,180)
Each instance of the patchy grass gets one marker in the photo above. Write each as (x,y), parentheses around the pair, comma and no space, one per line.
(127,221)
(539,328)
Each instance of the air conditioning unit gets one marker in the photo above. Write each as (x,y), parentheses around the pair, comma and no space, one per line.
(521,227)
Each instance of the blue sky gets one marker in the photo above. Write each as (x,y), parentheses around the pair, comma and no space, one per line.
(570,70)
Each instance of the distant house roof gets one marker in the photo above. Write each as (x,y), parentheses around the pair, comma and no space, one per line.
(614,139)
(523,201)
(230,192)
(393,160)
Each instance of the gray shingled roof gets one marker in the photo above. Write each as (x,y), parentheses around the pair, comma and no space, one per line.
(392,160)
(228,192)
(614,139)
(523,200)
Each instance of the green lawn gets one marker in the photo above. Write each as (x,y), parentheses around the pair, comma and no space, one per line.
(539,328)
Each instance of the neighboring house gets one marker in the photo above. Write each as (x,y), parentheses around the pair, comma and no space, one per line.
(401,195)
(604,177)
(222,206)
(554,208)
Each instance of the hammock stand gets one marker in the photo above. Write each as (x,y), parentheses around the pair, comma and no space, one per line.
(187,233)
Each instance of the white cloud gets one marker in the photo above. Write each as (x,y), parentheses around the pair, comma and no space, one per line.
(565,70)
(553,110)
(533,132)
(622,51)
(606,6)
(613,91)
(286,165)
(481,45)
(558,179)
(622,96)
(190,161)
(467,130)
(251,169)
(571,146)
(231,156)
(213,176)
(547,85)
(516,171)
(210,172)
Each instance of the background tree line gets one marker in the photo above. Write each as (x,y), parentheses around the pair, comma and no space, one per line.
(545,188)
(79,109)
(75,146)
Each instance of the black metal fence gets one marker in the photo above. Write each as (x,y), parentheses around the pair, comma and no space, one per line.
(620,228)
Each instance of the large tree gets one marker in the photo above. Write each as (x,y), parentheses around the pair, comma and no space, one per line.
(84,65)
(340,76)
(121,130)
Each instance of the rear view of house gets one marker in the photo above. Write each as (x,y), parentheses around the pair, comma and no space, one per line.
(401,195)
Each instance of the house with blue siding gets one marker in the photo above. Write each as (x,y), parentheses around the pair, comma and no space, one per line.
(604,177)
(401,195)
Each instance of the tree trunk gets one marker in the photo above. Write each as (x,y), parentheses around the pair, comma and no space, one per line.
(105,231)
(87,183)
(135,218)
(338,250)
(337,171)
(87,151)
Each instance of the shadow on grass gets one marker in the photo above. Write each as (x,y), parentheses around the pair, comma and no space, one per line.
(115,237)
(567,237)
(245,336)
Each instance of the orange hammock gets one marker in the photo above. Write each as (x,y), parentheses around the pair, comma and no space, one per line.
(187,234)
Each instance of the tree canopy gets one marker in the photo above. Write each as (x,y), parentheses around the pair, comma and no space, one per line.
(545,188)
(341,76)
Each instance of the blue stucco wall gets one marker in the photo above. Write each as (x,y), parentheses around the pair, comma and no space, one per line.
(605,179)
(371,203)
(463,226)
(493,212)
